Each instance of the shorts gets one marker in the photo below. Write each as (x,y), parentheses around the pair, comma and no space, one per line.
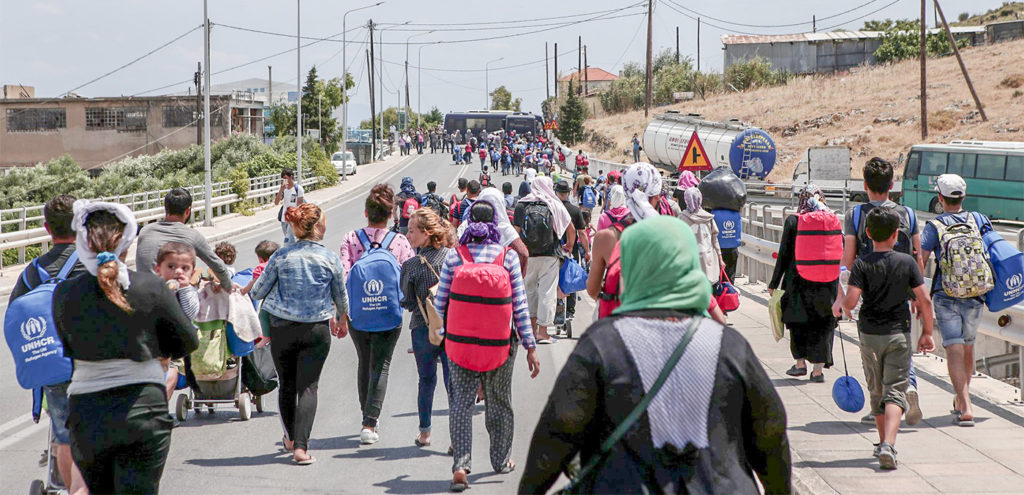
(957,319)
(57,404)
(886,360)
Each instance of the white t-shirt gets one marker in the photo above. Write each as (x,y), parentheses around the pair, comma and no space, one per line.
(290,198)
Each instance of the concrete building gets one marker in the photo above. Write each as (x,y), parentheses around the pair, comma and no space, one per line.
(96,131)
(1004,31)
(596,81)
(259,88)
(833,51)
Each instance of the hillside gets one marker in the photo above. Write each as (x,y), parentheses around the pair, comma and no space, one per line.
(1009,11)
(873,110)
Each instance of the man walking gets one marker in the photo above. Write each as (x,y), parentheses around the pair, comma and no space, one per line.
(636,148)
(290,194)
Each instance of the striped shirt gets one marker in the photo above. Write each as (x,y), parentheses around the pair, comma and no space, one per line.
(486,253)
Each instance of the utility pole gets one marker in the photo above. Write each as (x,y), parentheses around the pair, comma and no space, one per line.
(650,68)
(547,75)
(208,174)
(270,86)
(677,45)
(373,112)
(960,60)
(408,108)
(380,79)
(579,64)
(198,80)
(924,82)
(698,44)
(586,73)
(556,71)
(298,80)
(814,24)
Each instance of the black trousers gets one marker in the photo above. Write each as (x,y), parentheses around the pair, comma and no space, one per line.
(120,438)
(730,256)
(299,351)
(374,351)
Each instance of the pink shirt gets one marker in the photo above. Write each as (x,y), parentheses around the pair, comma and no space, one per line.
(352,249)
(603,222)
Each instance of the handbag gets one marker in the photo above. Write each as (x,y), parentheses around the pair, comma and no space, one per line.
(571,277)
(726,295)
(637,411)
(846,391)
(429,312)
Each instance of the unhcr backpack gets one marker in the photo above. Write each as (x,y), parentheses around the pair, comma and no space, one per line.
(1008,266)
(373,287)
(31,331)
(588,198)
(964,261)
(904,236)
(819,246)
(538,228)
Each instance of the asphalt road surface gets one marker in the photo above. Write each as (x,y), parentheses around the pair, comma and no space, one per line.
(218,453)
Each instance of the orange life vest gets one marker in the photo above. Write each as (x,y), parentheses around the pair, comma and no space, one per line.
(478,321)
(819,246)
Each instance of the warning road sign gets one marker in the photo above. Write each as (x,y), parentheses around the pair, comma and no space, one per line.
(695,159)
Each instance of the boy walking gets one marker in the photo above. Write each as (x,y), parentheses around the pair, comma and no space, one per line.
(883,278)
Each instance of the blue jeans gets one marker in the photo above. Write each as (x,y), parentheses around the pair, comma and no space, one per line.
(427,355)
(956,319)
(289,235)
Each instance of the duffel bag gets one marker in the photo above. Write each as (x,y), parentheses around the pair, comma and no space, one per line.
(258,372)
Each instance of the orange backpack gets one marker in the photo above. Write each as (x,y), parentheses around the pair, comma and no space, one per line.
(819,246)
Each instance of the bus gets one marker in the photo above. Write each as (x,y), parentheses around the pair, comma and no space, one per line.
(993,170)
(490,121)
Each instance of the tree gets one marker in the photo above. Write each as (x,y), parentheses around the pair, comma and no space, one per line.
(888,24)
(673,78)
(319,99)
(501,99)
(435,117)
(572,113)
(900,44)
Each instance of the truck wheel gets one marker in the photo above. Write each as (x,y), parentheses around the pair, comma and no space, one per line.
(935,207)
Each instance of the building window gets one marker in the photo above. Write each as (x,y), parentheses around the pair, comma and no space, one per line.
(119,118)
(36,119)
(179,116)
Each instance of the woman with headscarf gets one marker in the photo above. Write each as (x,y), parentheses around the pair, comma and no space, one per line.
(479,244)
(714,425)
(706,230)
(615,209)
(403,207)
(642,184)
(542,270)
(509,236)
(115,324)
(806,305)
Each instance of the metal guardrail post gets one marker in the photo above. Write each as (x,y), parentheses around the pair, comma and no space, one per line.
(21,226)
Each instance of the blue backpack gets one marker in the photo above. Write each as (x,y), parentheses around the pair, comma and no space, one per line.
(589,199)
(374,294)
(31,332)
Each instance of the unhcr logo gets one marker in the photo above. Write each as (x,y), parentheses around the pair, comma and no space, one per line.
(33,328)
(373,287)
(729,225)
(1015,281)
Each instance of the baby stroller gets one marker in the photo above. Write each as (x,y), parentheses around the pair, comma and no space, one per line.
(53,484)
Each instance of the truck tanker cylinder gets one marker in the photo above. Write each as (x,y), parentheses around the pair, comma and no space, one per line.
(749,151)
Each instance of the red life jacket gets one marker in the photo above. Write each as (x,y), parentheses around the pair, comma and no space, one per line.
(408,206)
(819,246)
(608,299)
(478,329)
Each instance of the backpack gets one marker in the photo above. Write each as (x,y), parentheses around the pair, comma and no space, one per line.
(455,211)
(819,246)
(538,228)
(964,262)
(729,228)
(608,298)
(904,237)
(373,287)
(589,197)
(410,205)
(1008,266)
(434,202)
(479,315)
(31,331)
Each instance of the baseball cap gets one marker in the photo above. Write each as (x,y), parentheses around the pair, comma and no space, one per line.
(562,186)
(951,186)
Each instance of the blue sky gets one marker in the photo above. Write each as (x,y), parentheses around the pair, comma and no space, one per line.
(57,45)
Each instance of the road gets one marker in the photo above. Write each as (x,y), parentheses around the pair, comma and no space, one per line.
(219,453)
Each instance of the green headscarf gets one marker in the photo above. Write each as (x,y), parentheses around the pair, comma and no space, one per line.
(661,268)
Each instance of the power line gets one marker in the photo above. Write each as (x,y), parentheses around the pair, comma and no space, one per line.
(504,25)
(504,67)
(161,47)
(331,38)
(515,21)
(803,23)
(869,14)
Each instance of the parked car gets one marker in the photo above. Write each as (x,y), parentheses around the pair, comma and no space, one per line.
(344,162)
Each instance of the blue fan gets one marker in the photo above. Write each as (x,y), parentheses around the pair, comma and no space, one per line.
(846,391)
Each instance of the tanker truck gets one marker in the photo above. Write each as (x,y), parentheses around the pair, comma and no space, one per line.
(749,151)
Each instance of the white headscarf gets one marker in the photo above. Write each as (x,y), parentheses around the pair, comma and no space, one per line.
(531,173)
(641,182)
(494,197)
(616,197)
(542,190)
(83,208)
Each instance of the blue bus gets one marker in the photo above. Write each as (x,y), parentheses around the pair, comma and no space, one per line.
(490,121)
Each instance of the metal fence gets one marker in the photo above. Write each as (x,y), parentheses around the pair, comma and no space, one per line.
(148,206)
(762,231)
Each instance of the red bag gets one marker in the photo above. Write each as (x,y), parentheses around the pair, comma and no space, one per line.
(479,315)
(725,294)
(819,246)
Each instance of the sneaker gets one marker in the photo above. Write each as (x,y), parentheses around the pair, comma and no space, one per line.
(886,456)
(868,420)
(368,437)
(913,415)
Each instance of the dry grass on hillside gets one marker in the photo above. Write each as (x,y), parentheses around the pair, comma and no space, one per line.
(873,110)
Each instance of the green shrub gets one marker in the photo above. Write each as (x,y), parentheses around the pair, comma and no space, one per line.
(900,45)
(754,73)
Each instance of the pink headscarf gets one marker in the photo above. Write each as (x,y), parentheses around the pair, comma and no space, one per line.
(542,190)
(688,180)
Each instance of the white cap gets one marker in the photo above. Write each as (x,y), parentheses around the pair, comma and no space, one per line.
(951,186)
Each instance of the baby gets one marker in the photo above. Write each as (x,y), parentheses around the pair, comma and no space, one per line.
(175,263)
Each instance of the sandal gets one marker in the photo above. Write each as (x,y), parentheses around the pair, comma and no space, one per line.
(795,371)
(284,445)
(963,422)
(507,468)
(420,443)
(459,483)
(304,462)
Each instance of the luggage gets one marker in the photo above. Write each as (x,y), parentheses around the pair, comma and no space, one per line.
(819,246)
(964,261)
(479,316)
(721,189)
(1008,265)
(725,294)
(571,277)
(538,229)
(730,228)
(373,288)
(258,372)
(31,332)
(904,239)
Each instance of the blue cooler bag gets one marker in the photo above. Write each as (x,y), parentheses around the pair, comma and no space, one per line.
(1007,268)
(237,346)
(571,277)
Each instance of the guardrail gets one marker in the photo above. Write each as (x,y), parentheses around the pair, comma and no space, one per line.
(762,231)
(148,207)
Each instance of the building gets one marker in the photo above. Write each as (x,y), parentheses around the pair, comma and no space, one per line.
(96,131)
(260,88)
(833,51)
(1004,31)
(596,81)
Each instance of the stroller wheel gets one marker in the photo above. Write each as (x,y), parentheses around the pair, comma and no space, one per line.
(182,408)
(568,328)
(38,487)
(244,406)
(259,403)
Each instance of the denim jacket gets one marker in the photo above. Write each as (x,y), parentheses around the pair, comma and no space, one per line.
(303,282)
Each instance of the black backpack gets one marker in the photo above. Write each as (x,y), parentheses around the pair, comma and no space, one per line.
(904,239)
(538,229)
(434,202)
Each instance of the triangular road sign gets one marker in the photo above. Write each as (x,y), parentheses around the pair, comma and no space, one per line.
(695,159)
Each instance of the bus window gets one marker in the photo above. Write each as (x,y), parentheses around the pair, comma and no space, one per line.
(961,164)
(933,162)
(1015,168)
(991,167)
(913,166)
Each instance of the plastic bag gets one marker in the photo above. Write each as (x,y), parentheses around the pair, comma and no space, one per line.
(572,277)
(722,189)
(209,361)
(775,314)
